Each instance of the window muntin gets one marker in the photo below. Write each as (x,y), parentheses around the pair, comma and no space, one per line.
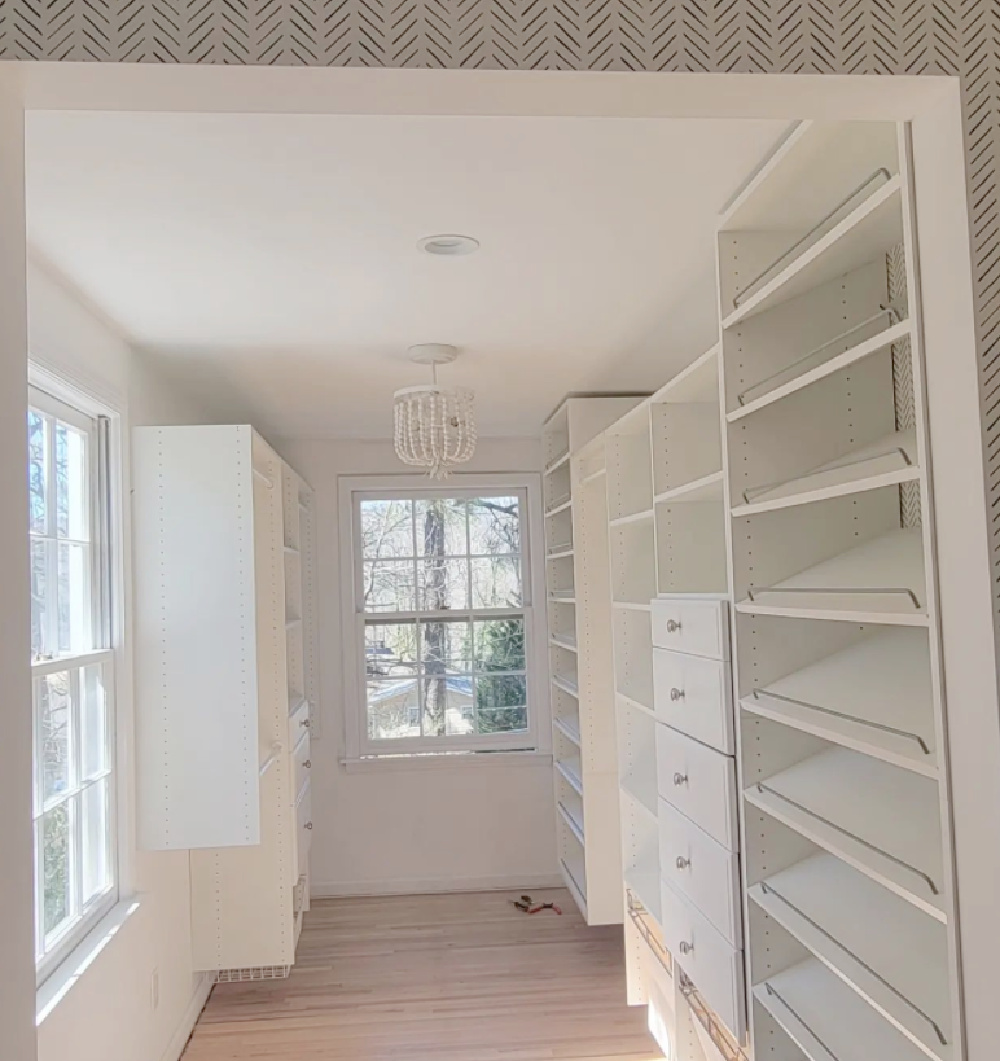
(72,667)
(444,605)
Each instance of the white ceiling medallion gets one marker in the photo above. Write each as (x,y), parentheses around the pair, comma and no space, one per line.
(448,245)
(434,427)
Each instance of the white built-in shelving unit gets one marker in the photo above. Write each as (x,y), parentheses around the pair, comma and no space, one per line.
(578,584)
(225,680)
(850,915)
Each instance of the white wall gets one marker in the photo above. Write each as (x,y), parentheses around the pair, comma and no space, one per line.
(408,827)
(108,1014)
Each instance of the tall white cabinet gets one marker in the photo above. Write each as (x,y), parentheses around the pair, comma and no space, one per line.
(225,630)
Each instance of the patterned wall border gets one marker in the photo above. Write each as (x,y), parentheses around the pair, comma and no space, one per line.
(768,36)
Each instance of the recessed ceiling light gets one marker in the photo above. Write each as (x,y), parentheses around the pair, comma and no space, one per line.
(448,245)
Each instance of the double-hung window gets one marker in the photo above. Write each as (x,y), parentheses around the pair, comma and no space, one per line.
(72,675)
(444,612)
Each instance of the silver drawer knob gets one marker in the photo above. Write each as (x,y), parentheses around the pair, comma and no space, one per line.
(684,947)
(682,862)
(673,626)
(308,825)
(308,764)
(676,694)
(306,723)
(680,779)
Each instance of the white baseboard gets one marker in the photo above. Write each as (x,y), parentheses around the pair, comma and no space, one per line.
(190,1019)
(432,885)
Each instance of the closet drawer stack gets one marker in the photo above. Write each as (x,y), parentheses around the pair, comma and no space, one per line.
(851,925)
(701,899)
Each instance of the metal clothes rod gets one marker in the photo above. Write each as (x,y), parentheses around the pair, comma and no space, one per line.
(893,312)
(768,889)
(743,292)
(758,693)
(753,492)
(844,590)
(761,787)
(264,479)
(771,991)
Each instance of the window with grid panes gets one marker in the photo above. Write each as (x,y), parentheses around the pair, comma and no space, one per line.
(444,609)
(72,675)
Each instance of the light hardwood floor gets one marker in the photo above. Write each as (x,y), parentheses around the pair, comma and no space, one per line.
(435,978)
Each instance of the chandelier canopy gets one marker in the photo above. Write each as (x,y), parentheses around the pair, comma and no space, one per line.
(434,427)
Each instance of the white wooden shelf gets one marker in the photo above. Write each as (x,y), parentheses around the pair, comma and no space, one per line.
(570,769)
(881,820)
(575,827)
(893,955)
(290,550)
(827,1020)
(566,685)
(879,581)
(873,697)
(870,229)
(635,705)
(707,488)
(593,476)
(630,606)
(888,462)
(632,517)
(558,462)
(893,334)
(642,791)
(560,506)
(698,382)
(559,553)
(563,597)
(568,728)
(564,641)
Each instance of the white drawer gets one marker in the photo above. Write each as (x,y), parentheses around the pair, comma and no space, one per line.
(700,782)
(692,863)
(301,760)
(694,694)
(715,967)
(698,626)
(298,723)
(303,827)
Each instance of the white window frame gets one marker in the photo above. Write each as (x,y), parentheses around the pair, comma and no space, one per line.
(62,402)
(353,489)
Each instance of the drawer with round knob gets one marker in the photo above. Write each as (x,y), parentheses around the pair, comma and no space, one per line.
(699,626)
(693,694)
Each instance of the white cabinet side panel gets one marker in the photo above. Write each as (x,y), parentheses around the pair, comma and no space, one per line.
(196,679)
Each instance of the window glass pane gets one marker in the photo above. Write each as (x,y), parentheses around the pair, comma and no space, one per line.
(441,527)
(446,647)
(73,597)
(393,709)
(41,598)
(444,584)
(499,644)
(94,750)
(56,829)
(386,529)
(501,703)
(391,650)
(38,475)
(54,734)
(72,502)
(389,586)
(448,707)
(496,582)
(96,853)
(494,525)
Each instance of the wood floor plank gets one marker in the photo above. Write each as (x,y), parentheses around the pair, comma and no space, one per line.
(435,978)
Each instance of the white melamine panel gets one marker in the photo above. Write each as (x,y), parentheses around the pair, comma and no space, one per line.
(694,695)
(633,561)
(633,656)
(692,863)
(715,967)
(629,467)
(882,820)
(893,955)
(686,443)
(691,544)
(195,625)
(699,782)
(700,627)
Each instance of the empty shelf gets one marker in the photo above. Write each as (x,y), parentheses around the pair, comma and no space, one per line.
(879,581)
(570,769)
(873,697)
(575,827)
(644,884)
(559,506)
(566,641)
(633,517)
(697,382)
(707,488)
(630,606)
(827,1020)
(593,476)
(893,955)
(560,552)
(556,463)
(566,685)
(635,705)
(883,821)
(870,229)
(887,462)
(563,597)
(641,791)
(569,728)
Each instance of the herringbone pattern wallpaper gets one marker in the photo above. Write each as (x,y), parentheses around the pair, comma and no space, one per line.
(797,36)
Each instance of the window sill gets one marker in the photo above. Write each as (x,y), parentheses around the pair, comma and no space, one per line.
(58,984)
(490,761)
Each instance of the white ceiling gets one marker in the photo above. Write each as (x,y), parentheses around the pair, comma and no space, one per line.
(270,260)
